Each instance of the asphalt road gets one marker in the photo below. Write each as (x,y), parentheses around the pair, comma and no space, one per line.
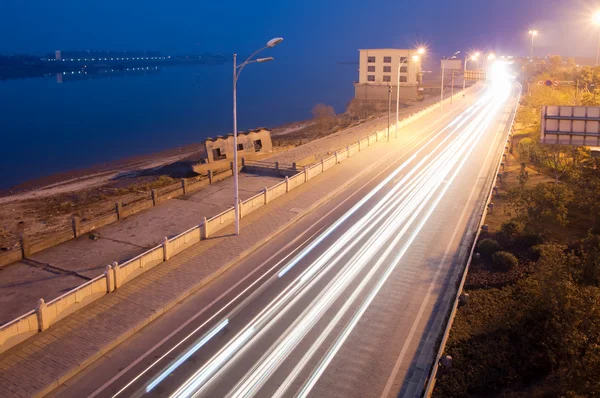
(341,304)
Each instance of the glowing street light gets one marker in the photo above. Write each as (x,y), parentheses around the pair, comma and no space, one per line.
(473,57)
(415,58)
(533,33)
(237,69)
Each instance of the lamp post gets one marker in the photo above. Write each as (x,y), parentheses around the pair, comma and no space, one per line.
(415,58)
(596,19)
(237,69)
(473,57)
(443,72)
(533,33)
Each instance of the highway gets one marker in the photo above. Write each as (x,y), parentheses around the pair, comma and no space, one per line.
(342,303)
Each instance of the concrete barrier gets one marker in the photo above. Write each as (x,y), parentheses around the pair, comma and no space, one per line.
(56,239)
(184,240)
(138,265)
(10,257)
(329,163)
(135,207)
(295,181)
(221,176)
(72,301)
(276,191)
(195,185)
(253,203)
(97,223)
(342,155)
(18,330)
(352,149)
(219,221)
(314,170)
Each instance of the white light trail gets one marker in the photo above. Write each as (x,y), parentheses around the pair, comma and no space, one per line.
(346,242)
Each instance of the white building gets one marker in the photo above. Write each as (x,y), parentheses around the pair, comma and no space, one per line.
(378,70)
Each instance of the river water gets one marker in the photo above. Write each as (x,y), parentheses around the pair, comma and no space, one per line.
(61,123)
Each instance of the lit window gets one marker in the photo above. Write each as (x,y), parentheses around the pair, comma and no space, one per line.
(387,60)
(371,78)
(387,69)
(371,68)
(371,59)
(387,78)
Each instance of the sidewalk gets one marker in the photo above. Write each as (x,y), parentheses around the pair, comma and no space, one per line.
(56,270)
(47,359)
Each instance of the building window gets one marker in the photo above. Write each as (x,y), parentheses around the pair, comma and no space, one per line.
(257,145)
(404,69)
(387,60)
(371,68)
(387,69)
(403,79)
(387,78)
(217,154)
(240,147)
(371,59)
(403,59)
(371,78)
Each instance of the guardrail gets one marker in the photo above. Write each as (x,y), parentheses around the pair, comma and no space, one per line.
(116,275)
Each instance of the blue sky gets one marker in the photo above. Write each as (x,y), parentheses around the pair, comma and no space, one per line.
(312,28)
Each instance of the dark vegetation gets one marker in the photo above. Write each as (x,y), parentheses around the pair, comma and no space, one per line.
(531,327)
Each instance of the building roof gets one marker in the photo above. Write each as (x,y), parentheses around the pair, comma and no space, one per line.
(224,137)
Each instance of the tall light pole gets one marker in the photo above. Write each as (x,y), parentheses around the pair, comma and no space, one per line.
(533,33)
(473,57)
(415,58)
(237,69)
(596,19)
(443,72)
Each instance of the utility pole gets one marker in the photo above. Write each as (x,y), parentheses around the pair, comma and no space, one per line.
(442,89)
(389,109)
(452,97)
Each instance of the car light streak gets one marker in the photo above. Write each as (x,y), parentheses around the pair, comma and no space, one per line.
(185,356)
(453,122)
(422,187)
(280,350)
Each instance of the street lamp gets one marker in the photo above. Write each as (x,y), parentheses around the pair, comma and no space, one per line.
(415,58)
(237,69)
(443,72)
(596,19)
(533,34)
(473,57)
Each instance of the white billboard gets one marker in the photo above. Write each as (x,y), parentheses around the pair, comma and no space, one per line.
(571,125)
(449,64)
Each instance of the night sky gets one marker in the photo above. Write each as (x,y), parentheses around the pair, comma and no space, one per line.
(311,28)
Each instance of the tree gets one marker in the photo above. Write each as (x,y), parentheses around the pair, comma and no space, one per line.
(571,63)
(555,63)
(543,203)
(561,159)
(324,115)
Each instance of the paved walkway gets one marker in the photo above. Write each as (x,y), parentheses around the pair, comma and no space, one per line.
(56,270)
(47,359)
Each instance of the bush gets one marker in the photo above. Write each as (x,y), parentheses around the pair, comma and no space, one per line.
(526,241)
(509,228)
(505,260)
(487,247)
